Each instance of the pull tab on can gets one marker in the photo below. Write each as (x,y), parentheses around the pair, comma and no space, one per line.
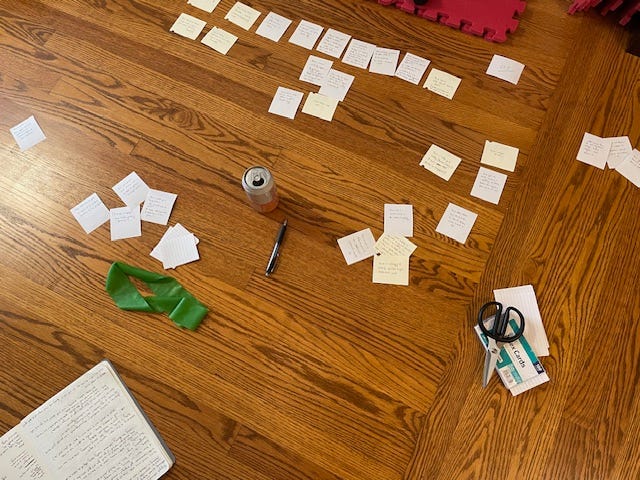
(260,188)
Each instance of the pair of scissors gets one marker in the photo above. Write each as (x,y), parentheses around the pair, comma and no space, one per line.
(492,313)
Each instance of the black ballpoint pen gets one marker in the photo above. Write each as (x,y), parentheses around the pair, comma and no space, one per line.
(273,259)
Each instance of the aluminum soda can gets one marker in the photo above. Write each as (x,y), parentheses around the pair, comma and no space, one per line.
(260,188)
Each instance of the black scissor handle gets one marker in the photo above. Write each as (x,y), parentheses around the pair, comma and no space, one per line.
(500,323)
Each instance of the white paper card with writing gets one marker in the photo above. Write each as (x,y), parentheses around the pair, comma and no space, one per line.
(437,160)
(456,223)
(336,85)
(412,68)
(220,40)
(242,15)
(392,244)
(125,222)
(157,207)
(131,189)
(357,246)
(286,102)
(594,150)
(489,185)
(188,26)
(316,70)
(442,83)
(273,26)
(499,155)
(333,43)
(206,5)
(90,213)
(306,34)
(505,69)
(391,270)
(384,61)
(172,232)
(27,133)
(320,106)
(358,53)
(620,148)
(398,219)
(178,251)
(630,167)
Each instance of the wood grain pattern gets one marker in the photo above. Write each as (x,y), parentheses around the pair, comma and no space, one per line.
(316,372)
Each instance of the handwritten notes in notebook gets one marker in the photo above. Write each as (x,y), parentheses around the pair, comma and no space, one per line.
(27,133)
(437,160)
(456,223)
(188,26)
(286,102)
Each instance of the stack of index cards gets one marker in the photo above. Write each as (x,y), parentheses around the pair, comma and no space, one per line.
(178,246)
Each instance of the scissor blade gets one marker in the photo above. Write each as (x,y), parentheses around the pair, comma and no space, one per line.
(490,361)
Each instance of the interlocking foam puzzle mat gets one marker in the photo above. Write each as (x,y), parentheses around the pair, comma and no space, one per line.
(627,7)
(491,19)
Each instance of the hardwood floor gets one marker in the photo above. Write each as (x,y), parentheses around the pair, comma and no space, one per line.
(316,372)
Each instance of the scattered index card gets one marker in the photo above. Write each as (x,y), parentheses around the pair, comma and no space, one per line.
(320,106)
(125,222)
(442,83)
(630,167)
(489,185)
(286,102)
(188,26)
(242,15)
(391,270)
(306,34)
(498,155)
(357,246)
(620,148)
(206,5)
(384,61)
(594,150)
(131,189)
(157,207)
(172,232)
(398,219)
(391,244)
(90,213)
(27,133)
(220,40)
(316,70)
(358,53)
(273,26)
(333,43)
(336,85)
(456,223)
(437,160)
(179,250)
(412,68)
(505,69)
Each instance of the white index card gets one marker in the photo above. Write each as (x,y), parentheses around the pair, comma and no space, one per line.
(437,160)
(456,223)
(220,40)
(392,244)
(125,222)
(286,102)
(27,133)
(306,34)
(412,68)
(620,148)
(489,185)
(336,85)
(630,167)
(499,155)
(358,53)
(357,246)
(398,219)
(505,69)
(384,61)
(179,250)
(316,70)
(273,26)
(131,189)
(594,150)
(320,106)
(157,207)
(90,213)
(188,26)
(172,232)
(242,15)
(391,270)
(206,5)
(333,43)
(442,83)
